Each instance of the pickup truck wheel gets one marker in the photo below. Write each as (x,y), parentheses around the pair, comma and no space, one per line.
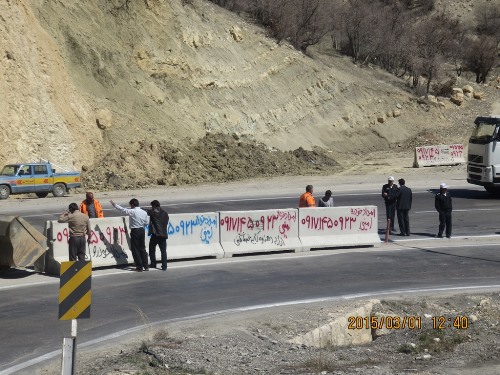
(4,191)
(59,190)
(41,195)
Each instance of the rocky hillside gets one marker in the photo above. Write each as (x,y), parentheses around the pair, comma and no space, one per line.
(128,91)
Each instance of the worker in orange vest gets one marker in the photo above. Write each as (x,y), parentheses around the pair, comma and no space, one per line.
(307,199)
(91,206)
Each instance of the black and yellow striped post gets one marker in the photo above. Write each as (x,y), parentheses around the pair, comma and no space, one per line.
(75,297)
(74,290)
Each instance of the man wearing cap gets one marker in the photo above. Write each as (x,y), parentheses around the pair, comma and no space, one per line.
(442,203)
(390,194)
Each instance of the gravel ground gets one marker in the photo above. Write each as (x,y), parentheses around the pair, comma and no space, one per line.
(259,342)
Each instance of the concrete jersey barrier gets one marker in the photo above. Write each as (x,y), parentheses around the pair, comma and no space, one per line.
(338,226)
(244,232)
(109,242)
(219,234)
(439,155)
(192,236)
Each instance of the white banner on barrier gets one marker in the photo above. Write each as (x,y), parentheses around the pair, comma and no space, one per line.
(338,226)
(109,242)
(439,155)
(259,231)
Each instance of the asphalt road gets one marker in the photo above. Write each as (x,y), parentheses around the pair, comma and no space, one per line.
(123,300)
(474,210)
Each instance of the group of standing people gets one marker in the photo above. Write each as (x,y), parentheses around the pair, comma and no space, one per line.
(399,199)
(307,199)
(78,219)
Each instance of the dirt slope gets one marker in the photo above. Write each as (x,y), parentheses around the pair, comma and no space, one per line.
(119,88)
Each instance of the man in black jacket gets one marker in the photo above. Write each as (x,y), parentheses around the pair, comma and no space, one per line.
(390,195)
(442,203)
(403,206)
(158,224)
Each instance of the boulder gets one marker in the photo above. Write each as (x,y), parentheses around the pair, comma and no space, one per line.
(478,95)
(236,33)
(381,118)
(468,89)
(104,118)
(457,98)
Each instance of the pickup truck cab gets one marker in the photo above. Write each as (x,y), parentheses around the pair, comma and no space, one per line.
(39,178)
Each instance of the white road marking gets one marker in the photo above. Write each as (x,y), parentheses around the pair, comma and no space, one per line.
(128,331)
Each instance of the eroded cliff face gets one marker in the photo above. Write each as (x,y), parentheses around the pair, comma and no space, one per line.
(108,83)
(43,113)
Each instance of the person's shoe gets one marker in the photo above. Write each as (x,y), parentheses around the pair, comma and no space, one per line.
(408,234)
(138,269)
(439,236)
(401,234)
(448,236)
(164,268)
(146,268)
(152,265)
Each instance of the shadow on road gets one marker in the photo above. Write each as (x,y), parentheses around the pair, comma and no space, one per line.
(454,255)
(8,273)
(466,193)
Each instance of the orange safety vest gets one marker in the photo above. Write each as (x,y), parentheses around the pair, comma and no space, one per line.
(97,206)
(307,200)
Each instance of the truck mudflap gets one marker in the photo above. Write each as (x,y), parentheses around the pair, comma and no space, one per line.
(21,245)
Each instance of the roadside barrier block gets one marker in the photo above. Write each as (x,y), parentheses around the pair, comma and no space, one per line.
(338,226)
(439,155)
(245,232)
(109,242)
(192,236)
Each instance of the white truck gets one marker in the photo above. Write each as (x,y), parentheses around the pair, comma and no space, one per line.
(483,159)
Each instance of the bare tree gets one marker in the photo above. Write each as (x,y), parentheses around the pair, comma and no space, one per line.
(433,39)
(359,21)
(481,55)
(487,18)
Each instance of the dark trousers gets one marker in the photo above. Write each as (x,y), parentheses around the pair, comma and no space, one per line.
(162,243)
(390,212)
(138,247)
(444,221)
(77,248)
(404,222)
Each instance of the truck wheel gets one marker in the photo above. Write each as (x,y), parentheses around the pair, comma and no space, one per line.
(59,190)
(4,191)
(41,195)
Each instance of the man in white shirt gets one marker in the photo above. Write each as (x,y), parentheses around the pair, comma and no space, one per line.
(138,221)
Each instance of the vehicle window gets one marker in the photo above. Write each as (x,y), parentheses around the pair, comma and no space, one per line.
(40,169)
(9,170)
(482,133)
(25,170)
